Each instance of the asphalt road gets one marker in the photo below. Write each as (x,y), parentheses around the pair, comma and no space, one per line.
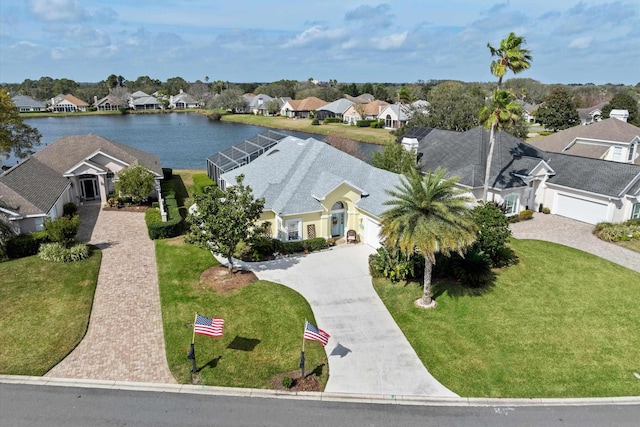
(29,405)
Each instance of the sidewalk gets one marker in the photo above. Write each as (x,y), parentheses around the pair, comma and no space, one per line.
(125,340)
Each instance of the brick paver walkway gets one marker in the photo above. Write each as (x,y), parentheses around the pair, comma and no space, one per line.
(125,339)
(576,234)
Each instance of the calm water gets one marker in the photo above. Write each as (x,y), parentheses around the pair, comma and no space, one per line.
(180,140)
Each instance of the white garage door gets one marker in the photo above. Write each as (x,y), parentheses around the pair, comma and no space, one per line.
(583,210)
(371,232)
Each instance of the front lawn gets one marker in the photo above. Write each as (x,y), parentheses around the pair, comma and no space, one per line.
(263,329)
(561,323)
(45,311)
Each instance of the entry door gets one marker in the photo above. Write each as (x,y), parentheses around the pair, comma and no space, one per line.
(337,224)
(89,189)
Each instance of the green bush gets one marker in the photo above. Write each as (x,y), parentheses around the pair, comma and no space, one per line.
(152,215)
(611,232)
(546,210)
(315,122)
(259,248)
(62,230)
(315,244)
(332,120)
(292,247)
(57,252)
(377,124)
(525,215)
(287,382)
(365,123)
(25,245)
(474,270)
(201,181)
(394,265)
(69,209)
(493,233)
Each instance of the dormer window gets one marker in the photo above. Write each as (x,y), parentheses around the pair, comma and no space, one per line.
(632,149)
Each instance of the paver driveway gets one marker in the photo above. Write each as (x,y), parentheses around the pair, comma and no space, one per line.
(368,354)
(125,339)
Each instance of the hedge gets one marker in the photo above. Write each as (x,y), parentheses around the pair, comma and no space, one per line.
(201,181)
(332,120)
(170,228)
(365,123)
(315,244)
(25,245)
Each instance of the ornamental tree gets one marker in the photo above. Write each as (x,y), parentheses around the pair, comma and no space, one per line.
(219,220)
(558,111)
(135,182)
(15,136)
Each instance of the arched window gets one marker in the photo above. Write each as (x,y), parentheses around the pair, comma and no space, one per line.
(337,205)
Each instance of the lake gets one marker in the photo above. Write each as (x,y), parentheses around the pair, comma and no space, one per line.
(180,140)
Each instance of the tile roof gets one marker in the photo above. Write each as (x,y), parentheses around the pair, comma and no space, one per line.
(76,101)
(65,152)
(308,104)
(296,173)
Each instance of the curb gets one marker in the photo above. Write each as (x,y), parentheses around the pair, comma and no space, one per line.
(317,396)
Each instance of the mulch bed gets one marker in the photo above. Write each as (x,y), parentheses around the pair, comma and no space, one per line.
(308,383)
(219,279)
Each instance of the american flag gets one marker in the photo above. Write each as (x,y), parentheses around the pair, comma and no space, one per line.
(208,326)
(315,334)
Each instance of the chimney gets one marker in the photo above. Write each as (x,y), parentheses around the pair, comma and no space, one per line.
(95,100)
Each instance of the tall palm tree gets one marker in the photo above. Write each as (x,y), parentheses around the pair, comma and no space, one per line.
(501,112)
(511,56)
(428,214)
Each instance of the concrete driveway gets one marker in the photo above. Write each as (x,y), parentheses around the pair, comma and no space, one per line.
(367,352)
(575,234)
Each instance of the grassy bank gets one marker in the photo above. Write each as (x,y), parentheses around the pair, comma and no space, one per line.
(561,323)
(263,323)
(45,311)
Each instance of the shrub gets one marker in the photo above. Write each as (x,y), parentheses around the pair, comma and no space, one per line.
(377,124)
(493,232)
(315,244)
(525,215)
(611,232)
(260,248)
(201,181)
(152,215)
(62,230)
(474,270)
(25,245)
(69,209)
(332,120)
(170,228)
(287,382)
(364,123)
(393,264)
(57,252)
(546,210)
(315,122)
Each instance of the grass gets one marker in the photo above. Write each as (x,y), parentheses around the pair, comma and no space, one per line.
(263,324)
(365,134)
(45,311)
(634,245)
(561,323)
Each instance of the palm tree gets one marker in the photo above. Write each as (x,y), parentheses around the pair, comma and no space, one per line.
(428,214)
(500,112)
(511,56)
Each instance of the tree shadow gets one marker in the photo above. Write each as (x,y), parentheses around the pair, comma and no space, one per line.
(455,289)
(317,371)
(210,364)
(243,344)
(181,190)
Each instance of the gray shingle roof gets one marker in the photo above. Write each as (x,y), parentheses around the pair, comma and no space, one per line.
(27,101)
(66,152)
(294,174)
(337,107)
(31,187)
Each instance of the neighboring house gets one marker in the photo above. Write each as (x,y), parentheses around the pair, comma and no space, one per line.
(108,103)
(364,111)
(256,104)
(609,139)
(314,190)
(141,101)
(396,116)
(67,104)
(525,177)
(528,111)
(301,108)
(182,101)
(365,98)
(71,169)
(335,109)
(27,104)
(591,114)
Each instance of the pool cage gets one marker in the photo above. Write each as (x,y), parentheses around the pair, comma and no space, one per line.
(241,154)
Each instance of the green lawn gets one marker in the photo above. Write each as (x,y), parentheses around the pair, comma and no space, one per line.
(561,323)
(263,324)
(45,311)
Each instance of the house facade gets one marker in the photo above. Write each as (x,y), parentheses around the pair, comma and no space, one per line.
(26,104)
(183,101)
(301,108)
(67,104)
(314,190)
(364,111)
(525,177)
(71,169)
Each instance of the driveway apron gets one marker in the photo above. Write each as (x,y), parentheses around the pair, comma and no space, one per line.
(575,234)
(124,341)
(367,351)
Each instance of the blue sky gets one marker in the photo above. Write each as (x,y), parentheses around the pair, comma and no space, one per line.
(349,41)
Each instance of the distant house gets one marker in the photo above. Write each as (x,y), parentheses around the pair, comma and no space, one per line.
(27,104)
(256,104)
(71,169)
(610,139)
(528,111)
(301,108)
(142,101)
(67,104)
(525,177)
(109,103)
(335,109)
(396,116)
(591,114)
(182,101)
(364,111)
(313,190)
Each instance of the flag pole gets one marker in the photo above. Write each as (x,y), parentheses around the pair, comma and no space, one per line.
(302,352)
(192,351)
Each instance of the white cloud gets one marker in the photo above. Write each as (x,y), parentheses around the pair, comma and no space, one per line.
(313,35)
(56,10)
(391,41)
(581,42)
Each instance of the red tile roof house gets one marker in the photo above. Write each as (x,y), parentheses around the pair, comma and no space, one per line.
(301,108)
(71,169)
(68,104)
